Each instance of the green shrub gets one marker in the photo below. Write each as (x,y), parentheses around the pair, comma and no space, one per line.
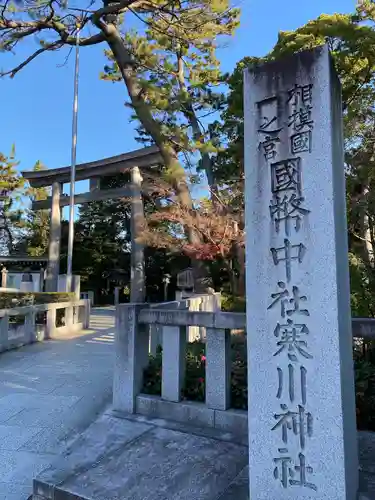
(194,388)
(364,369)
(232,303)
(152,375)
(195,375)
(18,299)
(239,373)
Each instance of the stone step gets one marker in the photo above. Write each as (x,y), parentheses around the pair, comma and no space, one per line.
(138,458)
(125,459)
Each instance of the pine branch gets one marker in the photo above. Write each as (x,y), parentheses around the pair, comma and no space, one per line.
(14,71)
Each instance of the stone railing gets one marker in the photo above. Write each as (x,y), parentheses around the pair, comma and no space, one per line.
(88,295)
(132,349)
(363,328)
(131,357)
(201,303)
(34,323)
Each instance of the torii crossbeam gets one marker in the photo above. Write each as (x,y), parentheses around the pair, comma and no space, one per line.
(135,162)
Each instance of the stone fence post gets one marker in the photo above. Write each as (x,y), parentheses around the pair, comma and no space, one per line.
(4,277)
(4,327)
(87,314)
(131,357)
(174,361)
(69,316)
(117,295)
(30,329)
(51,322)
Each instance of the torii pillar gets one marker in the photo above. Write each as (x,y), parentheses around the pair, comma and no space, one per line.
(54,240)
(137,287)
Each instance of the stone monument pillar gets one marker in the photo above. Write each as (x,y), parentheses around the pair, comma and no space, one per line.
(302,425)
(54,240)
(4,277)
(137,285)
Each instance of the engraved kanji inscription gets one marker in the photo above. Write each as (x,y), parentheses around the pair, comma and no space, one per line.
(301,118)
(292,475)
(290,375)
(300,95)
(287,254)
(302,470)
(269,146)
(268,127)
(286,176)
(267,112)
(299,423)
(295,301)
(284,298)
(281,297)
(292,340)
(287,210)
(301,142)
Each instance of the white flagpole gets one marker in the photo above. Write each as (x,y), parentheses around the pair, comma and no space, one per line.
(73,168)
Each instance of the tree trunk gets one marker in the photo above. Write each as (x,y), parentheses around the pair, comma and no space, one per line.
(126,66)
(240,258)
(239,255)
(177,174)
(365,236)
(191,117)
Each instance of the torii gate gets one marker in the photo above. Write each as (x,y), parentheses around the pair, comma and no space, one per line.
(135,161)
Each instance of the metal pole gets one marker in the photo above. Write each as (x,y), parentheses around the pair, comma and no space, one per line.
(73,168)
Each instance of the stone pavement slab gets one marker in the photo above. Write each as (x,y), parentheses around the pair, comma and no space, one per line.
(12,438)
(12,491)
(120,459)
(49,393)
(18,466)
(238,488)
(137,458)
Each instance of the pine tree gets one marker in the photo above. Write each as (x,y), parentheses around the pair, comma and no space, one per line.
(351,39)
(36,239)
(191,24)
(11,184)
(179,74)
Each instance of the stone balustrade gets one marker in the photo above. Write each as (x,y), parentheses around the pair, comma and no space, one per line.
(136,323)
(131,357)
(199,303)
(88,295)
(34,323)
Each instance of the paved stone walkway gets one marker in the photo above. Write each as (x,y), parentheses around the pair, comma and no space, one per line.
(50,392)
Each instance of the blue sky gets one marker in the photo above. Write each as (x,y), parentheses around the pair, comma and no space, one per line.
(36,105)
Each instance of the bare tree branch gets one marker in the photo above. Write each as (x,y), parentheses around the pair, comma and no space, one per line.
(66,59)
(117,8)
(14,71)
